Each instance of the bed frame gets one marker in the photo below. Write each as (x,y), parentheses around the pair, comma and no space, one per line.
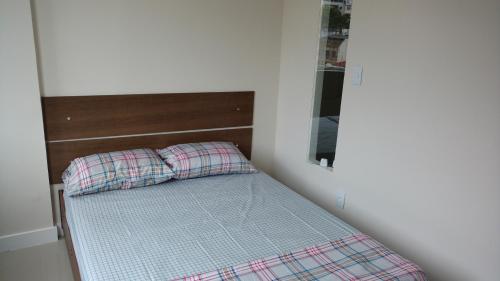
(82,125)
(67,238)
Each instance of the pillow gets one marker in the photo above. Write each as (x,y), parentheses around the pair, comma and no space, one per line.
(194,160)
(115,170)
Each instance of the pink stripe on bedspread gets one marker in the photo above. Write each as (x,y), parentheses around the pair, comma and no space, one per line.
(357,257)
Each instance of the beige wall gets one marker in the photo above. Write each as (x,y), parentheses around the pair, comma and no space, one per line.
(119,47)
(419,141)
(24,185)
(418,151)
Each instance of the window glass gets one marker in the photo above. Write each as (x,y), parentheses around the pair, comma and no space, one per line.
(334,35)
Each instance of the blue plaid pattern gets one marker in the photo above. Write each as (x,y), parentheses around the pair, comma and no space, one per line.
(193,160)
(115,170)
(356,257)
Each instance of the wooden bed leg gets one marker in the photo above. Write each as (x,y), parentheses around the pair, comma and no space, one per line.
(67,238)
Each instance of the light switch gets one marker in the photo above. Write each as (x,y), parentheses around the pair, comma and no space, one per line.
(356,75)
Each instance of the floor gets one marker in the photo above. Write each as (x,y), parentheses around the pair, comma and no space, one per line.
(47,262)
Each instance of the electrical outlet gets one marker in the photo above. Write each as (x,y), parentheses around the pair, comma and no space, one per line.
(340,199)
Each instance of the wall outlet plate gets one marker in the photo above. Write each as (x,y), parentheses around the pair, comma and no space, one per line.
(340,199)
(356,75)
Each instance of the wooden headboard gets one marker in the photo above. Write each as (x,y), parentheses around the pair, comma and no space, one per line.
(76,126)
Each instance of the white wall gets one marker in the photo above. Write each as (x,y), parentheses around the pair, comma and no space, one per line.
(419,141)
(119,47)
(418,151)
(24,186)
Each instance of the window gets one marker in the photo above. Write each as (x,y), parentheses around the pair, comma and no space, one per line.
(335,20)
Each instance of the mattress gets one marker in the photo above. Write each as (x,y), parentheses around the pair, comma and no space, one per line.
(185,227)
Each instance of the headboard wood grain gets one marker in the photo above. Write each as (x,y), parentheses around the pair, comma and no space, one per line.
(115,115)
(82,125)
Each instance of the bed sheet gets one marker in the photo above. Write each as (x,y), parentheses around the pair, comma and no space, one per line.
(191,226)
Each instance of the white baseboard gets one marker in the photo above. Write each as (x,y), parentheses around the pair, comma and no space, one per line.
(28,239)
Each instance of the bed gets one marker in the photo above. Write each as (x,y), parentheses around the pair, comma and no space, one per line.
(186,227)
(228,227)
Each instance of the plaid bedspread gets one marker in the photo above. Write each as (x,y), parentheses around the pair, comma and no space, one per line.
(357,257)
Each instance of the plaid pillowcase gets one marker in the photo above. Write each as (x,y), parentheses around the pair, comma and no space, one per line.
(194,160)
(115,170)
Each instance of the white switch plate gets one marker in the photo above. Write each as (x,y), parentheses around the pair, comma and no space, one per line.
(340,199)
(356,75)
